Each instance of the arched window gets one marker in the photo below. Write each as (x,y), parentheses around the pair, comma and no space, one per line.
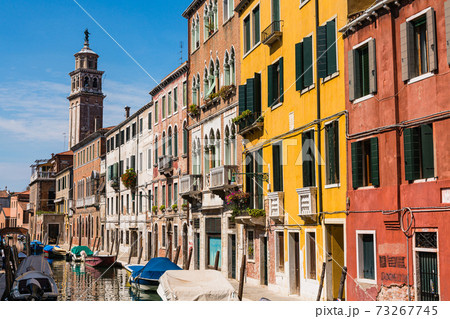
(86,82)
(175,141)
(156,150)
(206,155)
(193,34)
(206,22)
(194,91)
(226,68)
(233,144)
(216,76)
(169,142)
(198,88)
(212,148)
(217,149)
(94,83)
(205,83)
(227,145)
(232,67)
(163,143)
(185,138)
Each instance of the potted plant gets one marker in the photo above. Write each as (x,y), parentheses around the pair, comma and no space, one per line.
(193,109)
(115,184)
(162,208)
(175,207)
(238,202)
(243,116)
(129,178)
(154,209)
(184,207)
(227,91)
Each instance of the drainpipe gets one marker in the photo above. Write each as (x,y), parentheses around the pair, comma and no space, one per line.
(319,139)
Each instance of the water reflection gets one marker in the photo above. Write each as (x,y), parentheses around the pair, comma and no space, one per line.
(81,282)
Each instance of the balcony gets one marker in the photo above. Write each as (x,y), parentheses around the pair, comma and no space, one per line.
(91,200)
(80,202)
(250,124)
(307,203)
(251,221)
(191,187)
(42,175)
(276,206)
(222,178)
(272,33)
(165,164)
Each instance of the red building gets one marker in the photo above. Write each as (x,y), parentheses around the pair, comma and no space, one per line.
(398,107)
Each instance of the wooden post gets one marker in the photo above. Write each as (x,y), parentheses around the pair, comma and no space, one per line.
(168,249)
(341,284)
(140,255)
(70,243)
(117,244)
(8,272)
(241,277)
(95,242)
(98,243)
(216,262)
(112,243)
(28,245)
(322,277)
(177,254)
(15,258)
(57,240)
(129,255)
(79,234)
(189,259)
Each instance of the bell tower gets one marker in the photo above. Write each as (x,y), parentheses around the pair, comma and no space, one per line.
(86,96)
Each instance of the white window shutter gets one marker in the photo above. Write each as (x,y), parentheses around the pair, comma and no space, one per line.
(351,75)
(432,48)
(372,67)
(407,50)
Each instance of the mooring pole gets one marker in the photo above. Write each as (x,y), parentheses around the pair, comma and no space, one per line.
(112,243)
(177,255)
(28,245)
(189,259)
(168,249)
(140,255)
(241,277)
(341,284)
(216,262)
(322,277)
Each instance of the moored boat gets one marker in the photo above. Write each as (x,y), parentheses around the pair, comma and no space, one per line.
(36,247)
(100,260)
(147,277)
(79,253)
(54,252)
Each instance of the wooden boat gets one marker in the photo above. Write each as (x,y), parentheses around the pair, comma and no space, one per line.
(34,280)
(79,253)
(36,247)
(100,261)
(54,252)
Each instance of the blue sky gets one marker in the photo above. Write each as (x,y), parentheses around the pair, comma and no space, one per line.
(38,39)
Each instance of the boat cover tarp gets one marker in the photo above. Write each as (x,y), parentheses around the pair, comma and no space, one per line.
(48,248)
(36,263)
(195,285)
(155,268)
(78,249)
(36,242)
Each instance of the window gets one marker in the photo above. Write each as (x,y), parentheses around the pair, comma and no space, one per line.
(275,10)
(277,159)
(210,19)
(308,159)
(228,9)
(163,235)
(156,150)
(418,45)
(185,138)
(133,129)
(362,70)
(150,120)
(280,251)
(254,183)
(140,202)
(141,125)
(163,107)
(251,244)
(128,133)
(156,112)
(326,49)
(149,158)
(365,171)
(141,161)
(256,26)
(184,93)
(117,145)
(155,196)
(247,32)
(169,103)
(332,152)
(175,236)
(311,255)
(164,195)
(275,83)
(304,64)
(195,33)
(175,100)
(366,255)
(175,141)
(175,193)
(419,152)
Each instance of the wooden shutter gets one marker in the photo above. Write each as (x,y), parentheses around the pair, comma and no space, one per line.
(321,51)
(242,98)
(149,121)
(306,163)
(249,178)
(412,153)
(331,152)
(257,94)
(351,75)
(372,67)
(374,162)
(121,168)
(116,170)
(299,66)
(280,62)
(277,168)
(270,72)
(407,50)
(426,132)
(308,61)
(185,140)
(133,162)
(447,27)
(331,47)
(250,94)
(259,180)
(431,30)
(357,165)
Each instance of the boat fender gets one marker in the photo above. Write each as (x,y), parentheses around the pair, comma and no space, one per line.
(35,289)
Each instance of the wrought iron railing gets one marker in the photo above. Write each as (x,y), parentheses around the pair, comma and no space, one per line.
(274,29)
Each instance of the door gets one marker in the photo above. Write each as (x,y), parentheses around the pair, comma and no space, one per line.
(197,250)
(232,254)
(134,243)
(335,260)
(428,276)
(214,246)
(149,245)
(53,233)
(185,245)
(263,257)
(294,263)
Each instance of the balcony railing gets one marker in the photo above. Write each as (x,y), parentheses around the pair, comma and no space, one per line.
(272,33)
(191,184)
(276,205)
(90,200)
(42,175)
(250,123)
(222,177)
(80,202)
(165,164)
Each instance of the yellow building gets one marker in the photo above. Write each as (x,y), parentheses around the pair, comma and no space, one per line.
(288,97)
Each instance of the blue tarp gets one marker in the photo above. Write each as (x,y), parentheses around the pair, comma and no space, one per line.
(155,268)
(48,248)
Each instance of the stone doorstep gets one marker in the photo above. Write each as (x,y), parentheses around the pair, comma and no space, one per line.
(256,292)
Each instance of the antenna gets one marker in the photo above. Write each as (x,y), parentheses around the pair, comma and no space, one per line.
(181,52)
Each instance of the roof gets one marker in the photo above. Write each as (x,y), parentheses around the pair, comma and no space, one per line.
(91,137)
(27,192)
(170,78)
(129,119)
(6,211)
(192,8)
(4,193)
(23,205)
(65,153)
(242,5)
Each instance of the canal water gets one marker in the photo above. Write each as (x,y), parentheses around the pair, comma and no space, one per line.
(76,281)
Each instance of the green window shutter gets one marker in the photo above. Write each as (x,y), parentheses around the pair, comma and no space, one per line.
(374,162)
(248,178)
(281,80)
(242,98)
(277,168)
(275,10)
(431,37)
(270,72)
(149,121)
(321,51)
(331,47)
(257,94)
(372,67)
(426,132)
(116,170)
(308,62)
(250,94)
(308,159)
(259,186)
(411,141)
(299,66)
(121,168)
(447,28)
(185,141)
(357,169)
(351,75)
(175,143)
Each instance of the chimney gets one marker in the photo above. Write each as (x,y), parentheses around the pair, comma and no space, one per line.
(97,124)
(127,112)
